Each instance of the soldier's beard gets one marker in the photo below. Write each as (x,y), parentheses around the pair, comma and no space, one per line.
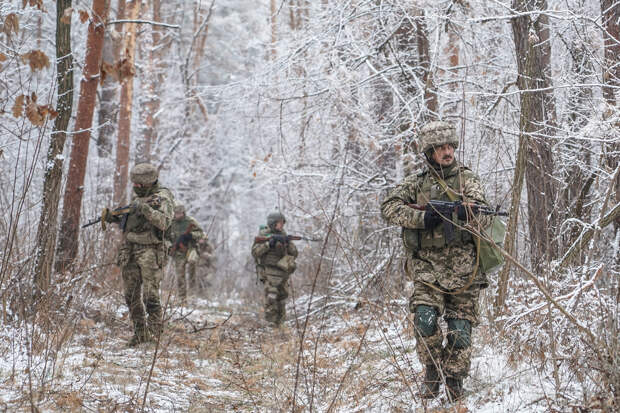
(142,192)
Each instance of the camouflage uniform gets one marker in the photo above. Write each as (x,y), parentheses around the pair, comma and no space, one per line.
(185,254)
(438,268)
(268,256)
(142,254)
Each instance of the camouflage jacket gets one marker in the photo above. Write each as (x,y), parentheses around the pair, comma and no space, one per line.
(148,222)
(178,228)
(266,258)
(430,257)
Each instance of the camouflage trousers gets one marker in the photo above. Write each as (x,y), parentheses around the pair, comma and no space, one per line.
(141,269)
(276,292)
(181,262)
(454,362)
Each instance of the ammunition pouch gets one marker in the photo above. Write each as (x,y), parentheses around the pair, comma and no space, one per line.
(411,239)
(287,264)
(143,238)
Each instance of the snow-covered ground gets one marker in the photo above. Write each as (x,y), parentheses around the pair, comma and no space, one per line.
(221,357)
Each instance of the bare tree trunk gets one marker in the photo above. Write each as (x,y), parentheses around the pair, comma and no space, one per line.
(513,221)
(46,231)
(430,96)
(124,121)
(533,50)
(274,31)
(108,102)
(72,205)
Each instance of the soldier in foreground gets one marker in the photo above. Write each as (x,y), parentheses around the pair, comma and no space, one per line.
(184,234)
(274,254)
(142,254)
(441,263)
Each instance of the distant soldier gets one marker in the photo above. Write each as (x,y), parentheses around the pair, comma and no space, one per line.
(142,254)
(206,261)
(274,255)
(443,268)
(184,234)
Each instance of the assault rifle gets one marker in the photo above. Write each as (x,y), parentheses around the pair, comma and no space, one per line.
(178,244)
(444,210)
(123,212)
(260,238)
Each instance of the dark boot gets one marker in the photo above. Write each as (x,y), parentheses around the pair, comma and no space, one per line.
(454,388)
(139,337)
(432,380)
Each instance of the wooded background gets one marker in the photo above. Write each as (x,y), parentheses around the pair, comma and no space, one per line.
(313,107)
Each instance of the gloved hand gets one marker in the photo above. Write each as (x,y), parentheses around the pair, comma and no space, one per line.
(140,206)
(431,219)
(275,239)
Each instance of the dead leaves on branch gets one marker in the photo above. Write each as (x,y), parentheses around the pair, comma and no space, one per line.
(33,3)
(120,71)
(11,25)
(66,16)
(36,59)
(35,113)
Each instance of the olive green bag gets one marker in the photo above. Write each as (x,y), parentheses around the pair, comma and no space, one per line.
(490,257)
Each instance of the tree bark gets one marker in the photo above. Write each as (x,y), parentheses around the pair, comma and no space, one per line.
(72,205)
(274,31)
(124,122)
(46,231)
(537,126)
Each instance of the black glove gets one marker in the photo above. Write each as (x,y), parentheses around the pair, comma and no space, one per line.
(185,239)
(431,219)
(275,239)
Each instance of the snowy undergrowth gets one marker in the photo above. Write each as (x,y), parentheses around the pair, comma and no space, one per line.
(220,356)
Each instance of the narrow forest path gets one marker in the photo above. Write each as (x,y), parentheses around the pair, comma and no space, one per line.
(219,356)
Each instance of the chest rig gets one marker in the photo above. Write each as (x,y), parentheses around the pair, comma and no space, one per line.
(427,188)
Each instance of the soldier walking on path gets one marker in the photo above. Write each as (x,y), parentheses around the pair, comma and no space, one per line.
(441,258)
(142,254)
(274,254)
(184,234)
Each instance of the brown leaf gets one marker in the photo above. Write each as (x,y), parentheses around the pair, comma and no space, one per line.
(66,15)
(33,112)
(3,57)
(33,3)
(18,106)
(11,24)
(83,16)
(36,59)
(125,69)
(108,69)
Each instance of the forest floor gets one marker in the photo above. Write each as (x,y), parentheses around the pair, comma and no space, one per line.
(219,356)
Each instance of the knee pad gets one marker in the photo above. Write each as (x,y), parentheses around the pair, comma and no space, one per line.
(459,333)
(425,320)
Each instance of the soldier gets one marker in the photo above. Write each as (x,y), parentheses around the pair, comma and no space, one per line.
(206,261)
(142,254)
(184,234)
(445,276)
(274,255)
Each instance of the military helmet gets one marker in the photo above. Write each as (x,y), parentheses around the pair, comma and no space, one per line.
(144,173)
(437,133)
(178,208)
(274,217)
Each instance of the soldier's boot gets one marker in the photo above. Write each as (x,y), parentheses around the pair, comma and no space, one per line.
(454,388)
(432,381)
